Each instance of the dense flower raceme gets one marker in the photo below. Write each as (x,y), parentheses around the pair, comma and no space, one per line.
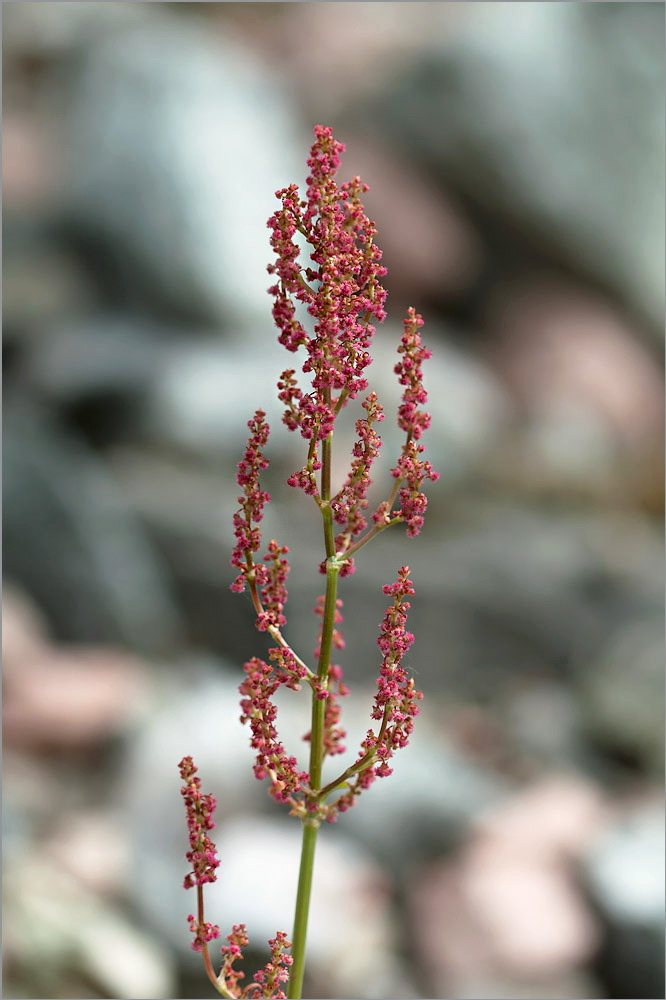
(199,808)
(395,702)
(248,535)
(203,858)
(340,287)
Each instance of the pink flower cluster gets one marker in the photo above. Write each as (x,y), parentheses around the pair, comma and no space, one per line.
(267,980)
(411,469)
(351,500)
(273,590)
(276,970)
(203,932)
(202,854)
(257,690)
(248,537)
(410,374)
(232,953)
(395,702)
(203,857)
(348,292)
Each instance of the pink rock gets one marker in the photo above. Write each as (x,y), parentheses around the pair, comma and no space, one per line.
(556,342)
(508,909)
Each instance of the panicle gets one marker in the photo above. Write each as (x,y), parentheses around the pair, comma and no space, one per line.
(252,502)
(395,701)
(411,469)
(257,707)
(231,953)
(203,932)
(410,374)
(276,970)
(340,288)
(274,590)
(199,808)
(351,500)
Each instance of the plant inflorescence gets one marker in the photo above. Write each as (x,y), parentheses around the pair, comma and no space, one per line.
(340,289)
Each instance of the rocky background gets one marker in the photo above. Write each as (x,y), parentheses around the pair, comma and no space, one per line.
(515,154)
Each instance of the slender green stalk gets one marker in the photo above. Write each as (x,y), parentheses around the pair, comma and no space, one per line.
(298,938)
(310,823)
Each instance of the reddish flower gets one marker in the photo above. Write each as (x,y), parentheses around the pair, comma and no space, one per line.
(395,702)
(409,373)
(202,854)
(248,537)
(260,684)
(351,500)
(340,288)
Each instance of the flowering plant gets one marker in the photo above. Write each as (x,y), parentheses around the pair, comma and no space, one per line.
(341,290)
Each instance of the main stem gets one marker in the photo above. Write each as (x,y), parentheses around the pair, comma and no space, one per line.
(311,823)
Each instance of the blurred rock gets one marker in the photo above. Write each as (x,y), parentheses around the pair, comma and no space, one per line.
(505,918)
(556,343)
(430,247)
(64,28)
(205,392)
(75,940)
(622,693)
(172,183)
(91,847)
(24,631)
(591,393)
(555,817)
(515,112)
(545,724)
(97,361)
(73,545)
(624,873)
(43,285)
(31,164)
(66,699)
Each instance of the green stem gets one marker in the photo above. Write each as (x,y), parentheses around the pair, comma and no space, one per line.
(310,827)
(319,704)
(311,823)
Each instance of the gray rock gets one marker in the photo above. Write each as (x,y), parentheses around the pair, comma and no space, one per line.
(205,392)
(64,28)
(622,692)
(72,544)
(177,145)
(624,874)
(551,116)
(94,359)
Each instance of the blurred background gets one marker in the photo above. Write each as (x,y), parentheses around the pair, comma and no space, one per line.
(515,155)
